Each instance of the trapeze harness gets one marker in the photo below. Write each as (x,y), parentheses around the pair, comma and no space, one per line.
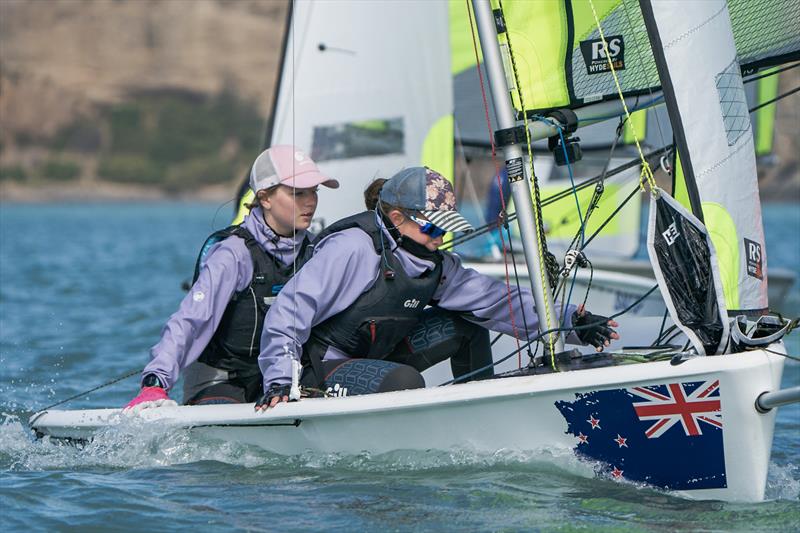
(236,343)
(382,316)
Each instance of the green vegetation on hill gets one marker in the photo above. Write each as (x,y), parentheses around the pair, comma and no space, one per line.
(179,140)
(173,140)
(12,173)
(59,169)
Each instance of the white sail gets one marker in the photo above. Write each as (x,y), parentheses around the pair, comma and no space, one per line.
(701,77)
(365,99)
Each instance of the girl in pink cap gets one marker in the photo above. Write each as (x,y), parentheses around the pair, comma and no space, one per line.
(215,334)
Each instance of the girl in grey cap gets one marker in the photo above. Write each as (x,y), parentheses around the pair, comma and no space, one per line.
(356,315)
(216,330)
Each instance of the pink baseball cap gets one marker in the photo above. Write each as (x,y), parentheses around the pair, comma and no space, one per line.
(287,165)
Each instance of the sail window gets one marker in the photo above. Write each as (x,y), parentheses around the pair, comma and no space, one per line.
(733,102)
(358,139)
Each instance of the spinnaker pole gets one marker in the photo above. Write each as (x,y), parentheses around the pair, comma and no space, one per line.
(517,178)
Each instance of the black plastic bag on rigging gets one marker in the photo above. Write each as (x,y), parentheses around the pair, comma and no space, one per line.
(685,266)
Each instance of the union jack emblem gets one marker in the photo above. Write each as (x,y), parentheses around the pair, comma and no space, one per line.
(670,404)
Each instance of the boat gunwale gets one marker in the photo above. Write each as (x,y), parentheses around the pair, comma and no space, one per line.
(292,414)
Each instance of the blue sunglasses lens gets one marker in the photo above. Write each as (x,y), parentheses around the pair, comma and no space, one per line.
(433,231)
(428,228)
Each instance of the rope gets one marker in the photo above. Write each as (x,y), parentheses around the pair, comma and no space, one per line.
(537,211)
(126,376)
(647,173)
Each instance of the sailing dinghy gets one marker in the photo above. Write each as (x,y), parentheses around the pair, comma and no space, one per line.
(697,420)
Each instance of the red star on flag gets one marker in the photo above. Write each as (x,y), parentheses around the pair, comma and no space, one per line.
(595,422)
(622,441)
(617,473)
(583,438)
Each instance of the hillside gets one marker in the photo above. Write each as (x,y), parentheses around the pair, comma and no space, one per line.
(141,98)
(134,92)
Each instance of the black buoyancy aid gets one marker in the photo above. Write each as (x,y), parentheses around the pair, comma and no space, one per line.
(237,340)
(383,315)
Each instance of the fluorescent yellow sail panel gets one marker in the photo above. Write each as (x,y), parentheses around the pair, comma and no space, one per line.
(437,150)
(722,230)
(638,124)
(561,217)
(462,48)
(243,210)
(538,35)
(765,117)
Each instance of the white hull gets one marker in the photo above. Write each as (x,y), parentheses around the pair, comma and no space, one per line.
(519,413)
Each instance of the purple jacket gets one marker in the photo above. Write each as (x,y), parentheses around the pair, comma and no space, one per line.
(345,265)
(227,270)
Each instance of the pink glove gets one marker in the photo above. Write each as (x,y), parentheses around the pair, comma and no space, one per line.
(149,397)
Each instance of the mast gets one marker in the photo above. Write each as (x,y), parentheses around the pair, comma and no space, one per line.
(517,178)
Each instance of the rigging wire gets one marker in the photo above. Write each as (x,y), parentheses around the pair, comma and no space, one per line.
(779,97)
(770,73)
(548,332)
(560,195)
(633,193)
(792,357)
(106,384)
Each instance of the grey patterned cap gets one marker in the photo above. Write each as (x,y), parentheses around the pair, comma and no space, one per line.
(425,190)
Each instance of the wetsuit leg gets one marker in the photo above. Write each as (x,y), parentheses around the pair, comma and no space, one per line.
(207,385)
(219,393)
(352,377)
(442,334)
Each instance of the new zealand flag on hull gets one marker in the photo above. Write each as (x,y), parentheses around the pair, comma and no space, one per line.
(668,435)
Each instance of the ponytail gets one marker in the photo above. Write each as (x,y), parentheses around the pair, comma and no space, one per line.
(372,194)
(260,195)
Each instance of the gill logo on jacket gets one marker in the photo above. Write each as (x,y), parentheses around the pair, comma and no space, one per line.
(413,303)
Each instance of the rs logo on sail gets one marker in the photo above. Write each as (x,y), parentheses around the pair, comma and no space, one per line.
(594,54)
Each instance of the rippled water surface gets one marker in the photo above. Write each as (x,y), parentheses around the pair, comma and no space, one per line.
(84,291)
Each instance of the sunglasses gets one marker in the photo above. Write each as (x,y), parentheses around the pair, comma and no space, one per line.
(427,228)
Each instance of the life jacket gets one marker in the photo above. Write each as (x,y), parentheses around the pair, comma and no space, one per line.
(382,316)
(237,340)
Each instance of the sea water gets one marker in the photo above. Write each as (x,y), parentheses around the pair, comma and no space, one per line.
(84,292)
